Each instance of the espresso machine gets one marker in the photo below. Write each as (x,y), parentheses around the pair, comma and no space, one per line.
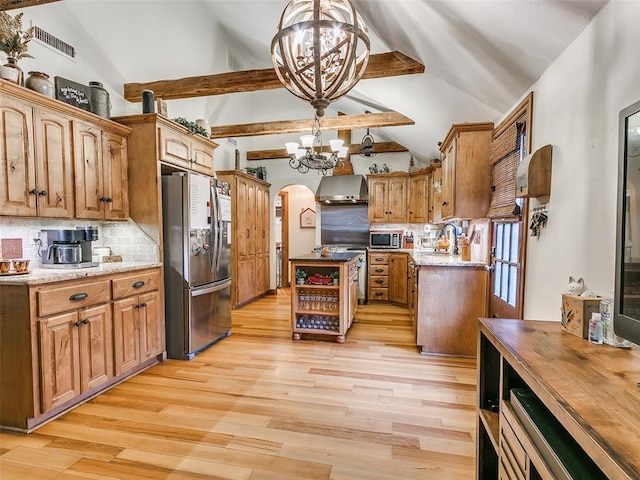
(67,248)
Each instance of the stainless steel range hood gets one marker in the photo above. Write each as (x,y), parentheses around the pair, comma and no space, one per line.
(343,189)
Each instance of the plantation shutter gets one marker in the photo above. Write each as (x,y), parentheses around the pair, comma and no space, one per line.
(504,154)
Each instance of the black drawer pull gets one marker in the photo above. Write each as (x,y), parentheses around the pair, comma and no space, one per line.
(379,281)
(78,323)
(379,294)
(138,284)
(85,321)
(78,296)
(379,259)
(379,270)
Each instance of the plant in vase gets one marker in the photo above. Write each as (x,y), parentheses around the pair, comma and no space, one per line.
(14,42)
(300,276)
(335,277)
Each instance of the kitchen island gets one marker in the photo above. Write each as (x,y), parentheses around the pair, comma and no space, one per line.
(325,300)
(68,334)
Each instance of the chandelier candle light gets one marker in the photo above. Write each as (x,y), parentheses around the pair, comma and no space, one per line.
(307,158)
(321,50)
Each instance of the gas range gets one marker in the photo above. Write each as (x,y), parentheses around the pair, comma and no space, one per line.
(344,248)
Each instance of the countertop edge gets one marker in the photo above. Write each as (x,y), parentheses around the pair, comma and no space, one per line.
(39,276)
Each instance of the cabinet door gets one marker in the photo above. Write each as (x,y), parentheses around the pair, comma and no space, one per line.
(398,282)
(202,156)
(378,200)
(262,223)
(126,337)
(245,222)
(59,359)
(150,325)
(54,165)
(419,198)
(17,159)
(175,147)
(435,196)
(115,186)
(246,281)
(449,180)
(96,347)
(87,149)
(397,200)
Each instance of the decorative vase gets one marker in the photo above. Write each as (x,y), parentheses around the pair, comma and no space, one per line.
(12,72)
(40,83)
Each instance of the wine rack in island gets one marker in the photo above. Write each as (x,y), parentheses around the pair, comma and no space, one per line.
(324,297)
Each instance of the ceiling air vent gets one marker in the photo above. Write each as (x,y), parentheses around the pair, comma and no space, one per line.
(54,42)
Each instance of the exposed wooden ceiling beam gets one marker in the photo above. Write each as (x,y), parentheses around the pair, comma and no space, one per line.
(381,147)
(10,4)
(342,122)
(380,65)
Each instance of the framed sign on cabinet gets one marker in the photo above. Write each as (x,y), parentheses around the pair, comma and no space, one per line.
(307,218)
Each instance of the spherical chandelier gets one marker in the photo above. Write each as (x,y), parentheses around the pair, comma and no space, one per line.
(320,50)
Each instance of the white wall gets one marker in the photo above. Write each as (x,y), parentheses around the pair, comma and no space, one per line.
(576,107)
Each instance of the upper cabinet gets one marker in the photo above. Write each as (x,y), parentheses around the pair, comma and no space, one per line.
(159,145)
(388,197)
(466,172)
(59,161)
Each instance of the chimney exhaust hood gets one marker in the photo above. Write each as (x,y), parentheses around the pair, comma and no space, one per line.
(343,189)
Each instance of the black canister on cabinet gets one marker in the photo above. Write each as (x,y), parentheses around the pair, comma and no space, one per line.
(99,100)
(148,101)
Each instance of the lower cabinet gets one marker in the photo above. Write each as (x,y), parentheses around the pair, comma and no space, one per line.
(388,277)
(67,341)
(75,354)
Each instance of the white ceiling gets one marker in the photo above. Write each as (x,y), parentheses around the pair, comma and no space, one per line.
(481,56)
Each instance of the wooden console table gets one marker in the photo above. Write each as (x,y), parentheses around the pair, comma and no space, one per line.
(589,394)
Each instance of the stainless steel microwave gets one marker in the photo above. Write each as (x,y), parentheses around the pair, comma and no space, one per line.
(385,238)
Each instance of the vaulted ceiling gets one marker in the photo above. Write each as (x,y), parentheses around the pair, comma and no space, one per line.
(480,56)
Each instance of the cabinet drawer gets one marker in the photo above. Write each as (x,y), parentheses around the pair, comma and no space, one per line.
(378,294)
(136,283)
(379,270)
(62,299)
(379,282)
(379,259)
(511,448)
(174,147)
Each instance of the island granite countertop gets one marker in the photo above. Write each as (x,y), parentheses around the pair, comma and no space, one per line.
(426,258)
(39,276)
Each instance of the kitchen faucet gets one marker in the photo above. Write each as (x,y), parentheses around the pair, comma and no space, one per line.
(455,236)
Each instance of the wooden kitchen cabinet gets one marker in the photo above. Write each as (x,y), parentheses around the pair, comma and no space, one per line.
(157,146)
(388,197)
(64,341)
(138,326)
(101,169)
(435,195)
(43,166)
(388,277)
(76,351)
(466,171)
(419,191)
(188,151)
(250,258)
(37,166)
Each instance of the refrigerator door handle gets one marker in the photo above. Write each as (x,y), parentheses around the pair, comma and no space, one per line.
(208,290)
(215,228)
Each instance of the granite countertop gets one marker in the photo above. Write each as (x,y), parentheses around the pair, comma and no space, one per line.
(37,276)
(316,256)
(426,258)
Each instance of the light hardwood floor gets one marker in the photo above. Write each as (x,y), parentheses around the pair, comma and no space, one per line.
(259,406)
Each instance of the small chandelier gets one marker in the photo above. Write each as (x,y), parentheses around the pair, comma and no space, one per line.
(320,50)
(367,146)
(307,158)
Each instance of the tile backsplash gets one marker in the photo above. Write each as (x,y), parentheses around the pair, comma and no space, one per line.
(124,238)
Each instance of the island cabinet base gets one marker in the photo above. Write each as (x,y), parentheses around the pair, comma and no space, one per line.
(450,300)
(554,406)
(324,297)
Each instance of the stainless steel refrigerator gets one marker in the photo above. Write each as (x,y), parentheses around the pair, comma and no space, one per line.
(197,262)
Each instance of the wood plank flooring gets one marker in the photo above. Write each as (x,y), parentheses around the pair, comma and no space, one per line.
(259,406)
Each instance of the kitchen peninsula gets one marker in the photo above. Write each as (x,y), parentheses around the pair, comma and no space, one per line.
(325,300)
(450,296)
